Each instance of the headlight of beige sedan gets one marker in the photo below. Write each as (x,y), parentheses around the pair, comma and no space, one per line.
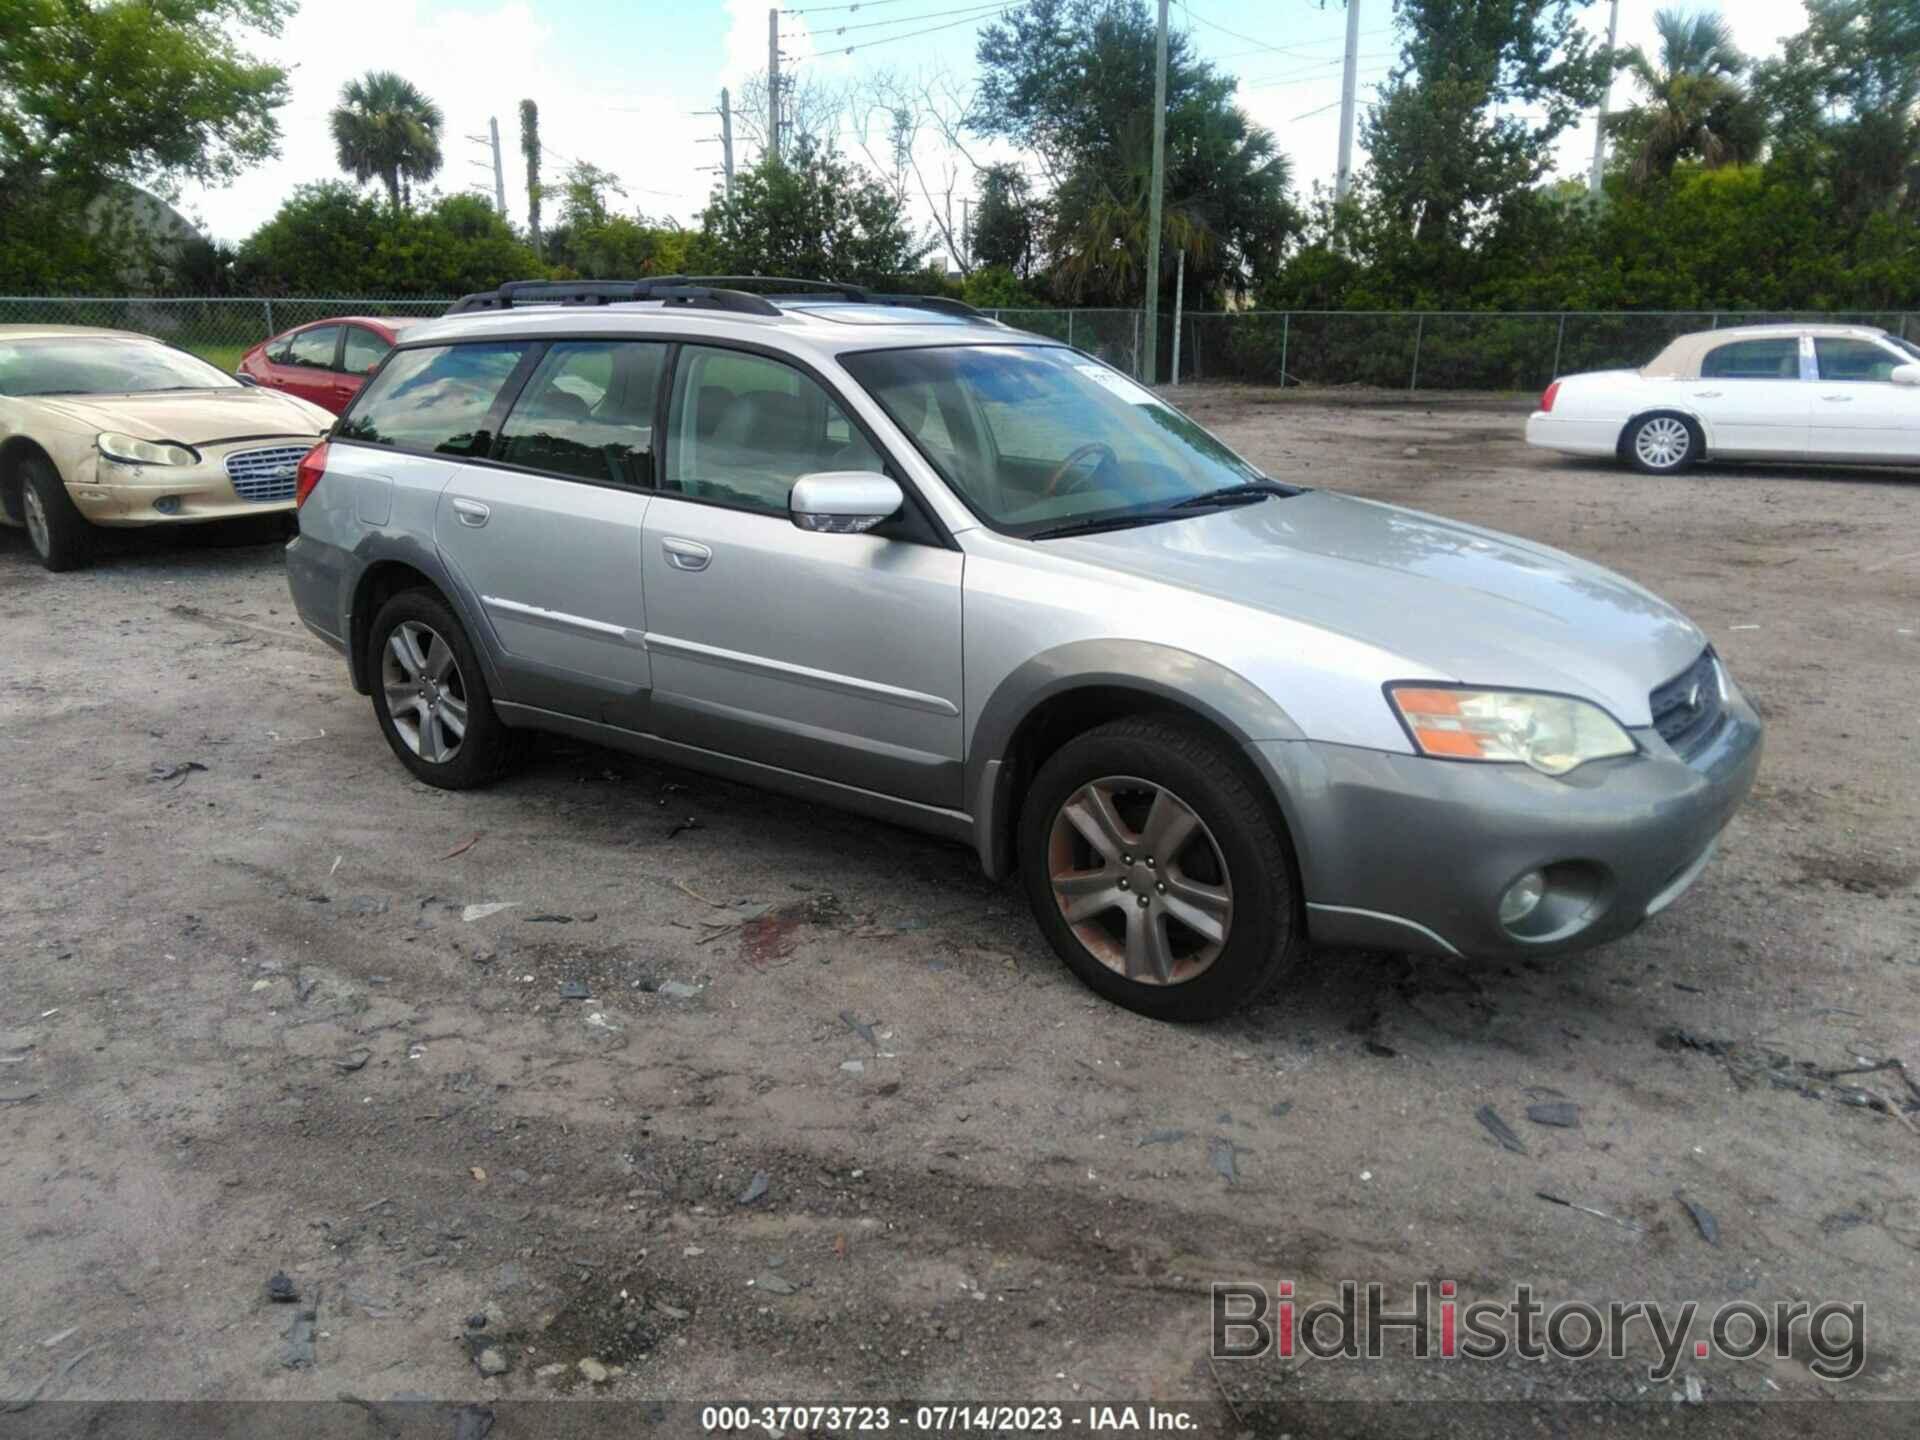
(1552,733)
(127,450)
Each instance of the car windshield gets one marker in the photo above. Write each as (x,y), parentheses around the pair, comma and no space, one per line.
(1906,345)
(102,365)
(1042,439)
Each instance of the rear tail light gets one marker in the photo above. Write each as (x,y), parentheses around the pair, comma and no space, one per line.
(312,466)
(1553,393)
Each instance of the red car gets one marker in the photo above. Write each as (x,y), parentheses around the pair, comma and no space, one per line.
(326,362)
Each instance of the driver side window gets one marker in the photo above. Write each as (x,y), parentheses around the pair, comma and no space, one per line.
(1842,359)
(743,428)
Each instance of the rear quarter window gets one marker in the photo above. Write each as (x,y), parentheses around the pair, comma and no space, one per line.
(436,398)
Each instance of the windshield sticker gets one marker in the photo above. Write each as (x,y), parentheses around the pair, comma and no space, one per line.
(1119,384)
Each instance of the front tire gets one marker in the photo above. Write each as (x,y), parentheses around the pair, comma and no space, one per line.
(1661,444)
(431,696)
(58,532)
(1158,871)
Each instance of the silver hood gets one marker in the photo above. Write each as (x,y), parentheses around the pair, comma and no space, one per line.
(1466,604)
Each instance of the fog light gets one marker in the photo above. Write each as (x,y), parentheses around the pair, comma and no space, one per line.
(1523,897)
(168,504)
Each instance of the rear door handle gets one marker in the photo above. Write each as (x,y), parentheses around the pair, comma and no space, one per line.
(686,554)
(471,512)
(1706,394)
(1838,399)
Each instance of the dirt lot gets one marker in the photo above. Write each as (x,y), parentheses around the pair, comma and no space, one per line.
(248,1024)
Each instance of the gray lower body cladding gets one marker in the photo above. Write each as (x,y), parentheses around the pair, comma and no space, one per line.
(1398,852)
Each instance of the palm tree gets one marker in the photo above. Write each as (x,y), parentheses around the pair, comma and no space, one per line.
(384,126)
(1697,107)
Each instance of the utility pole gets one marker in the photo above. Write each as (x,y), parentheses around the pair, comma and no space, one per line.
(965,257)
(499,175)
(1343,178)
(1179,294)
(1606,99)
(1149,350)
(773,83)
(726,139)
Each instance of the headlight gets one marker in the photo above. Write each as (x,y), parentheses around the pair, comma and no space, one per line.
(1551,733)
(129,451)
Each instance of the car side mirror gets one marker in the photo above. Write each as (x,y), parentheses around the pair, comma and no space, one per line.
(1906,375)
(843,502)
(246,379)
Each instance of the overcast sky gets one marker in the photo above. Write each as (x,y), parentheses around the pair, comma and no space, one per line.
(631,84)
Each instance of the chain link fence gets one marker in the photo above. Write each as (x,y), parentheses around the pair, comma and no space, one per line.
(1389,349)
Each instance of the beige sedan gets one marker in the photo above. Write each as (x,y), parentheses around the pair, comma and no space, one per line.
(110,428)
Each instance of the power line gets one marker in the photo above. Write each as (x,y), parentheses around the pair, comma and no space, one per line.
(1311,71)
(911,34)
(976,8)
(1309,114)
(856,5)
(1269,49)
(1216,25)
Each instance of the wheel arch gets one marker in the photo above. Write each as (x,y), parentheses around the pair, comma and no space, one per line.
(378,583)
(15,451)
(1067,691)
(1703,433)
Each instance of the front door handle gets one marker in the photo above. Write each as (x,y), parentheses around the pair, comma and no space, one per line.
(471,512)
(686,554)
(1707,394)
(1838,399)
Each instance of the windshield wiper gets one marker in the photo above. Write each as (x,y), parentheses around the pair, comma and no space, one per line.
(1233,494)
(1094,527)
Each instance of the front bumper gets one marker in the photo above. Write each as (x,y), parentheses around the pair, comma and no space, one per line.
(1401,852)
(111,494)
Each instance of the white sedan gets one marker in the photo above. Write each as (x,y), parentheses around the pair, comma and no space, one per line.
(1845,393)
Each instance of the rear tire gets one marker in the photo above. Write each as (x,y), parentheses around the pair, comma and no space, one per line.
(58,532)
(1158,870)
(431,696)
(1662,444)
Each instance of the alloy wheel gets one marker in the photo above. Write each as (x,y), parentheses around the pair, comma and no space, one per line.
(38,530)
(425,692)
(1140,880)
(1663,442)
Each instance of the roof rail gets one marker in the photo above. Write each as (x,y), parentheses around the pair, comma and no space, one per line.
(707,292)
(669,289)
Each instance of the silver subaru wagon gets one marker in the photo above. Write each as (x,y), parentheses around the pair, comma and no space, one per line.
(885,553)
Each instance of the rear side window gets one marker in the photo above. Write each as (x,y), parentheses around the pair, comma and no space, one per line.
(1853,360)
(745,428)
(314,348)
(1753,360)
(587,411)
(365,350)
(436,398)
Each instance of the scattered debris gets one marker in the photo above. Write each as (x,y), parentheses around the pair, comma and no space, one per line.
(776,1284)
(1490,1119)
(477,1320)
(490,1361)
(302,1327)
(474,1422)
(690,823)
(575,990)
(481,912)
(598,1019)
(366,905)
(687,889)
(462,848)
(1160,1137)
(1694,1392)
(1589,1210)
(351,1061)
(1561,1113)
(560,919)
(1702,1217)
(479,1175)
(178,772)
(678,990)
(862,1028)
(1279,1111)
(19,1097)
(854,1067)
(1381,1052)
(1221,1154)
(22,1402)
(594,1371)
(281,1289)
(756,1188)
(55,1339)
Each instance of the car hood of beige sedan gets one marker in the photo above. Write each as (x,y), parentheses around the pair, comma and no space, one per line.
(190,417)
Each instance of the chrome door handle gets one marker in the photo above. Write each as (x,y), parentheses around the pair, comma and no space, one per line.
(471,512)
(686,554)
(1838,399)
(1707,394)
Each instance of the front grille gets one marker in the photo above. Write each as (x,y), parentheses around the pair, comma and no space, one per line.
(1688,710)
(265,476)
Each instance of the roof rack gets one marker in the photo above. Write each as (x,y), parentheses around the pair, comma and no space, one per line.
(707,292)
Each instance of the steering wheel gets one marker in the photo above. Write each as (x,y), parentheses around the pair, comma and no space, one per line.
(1073,462)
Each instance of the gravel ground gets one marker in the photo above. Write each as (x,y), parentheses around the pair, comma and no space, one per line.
(249,1023)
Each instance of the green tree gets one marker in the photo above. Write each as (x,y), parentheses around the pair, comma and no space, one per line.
(121,92)
(386,127)
(1697,106)
(1005,221)
(1844,97)
(530,152)
(1470,116)
(811,215)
